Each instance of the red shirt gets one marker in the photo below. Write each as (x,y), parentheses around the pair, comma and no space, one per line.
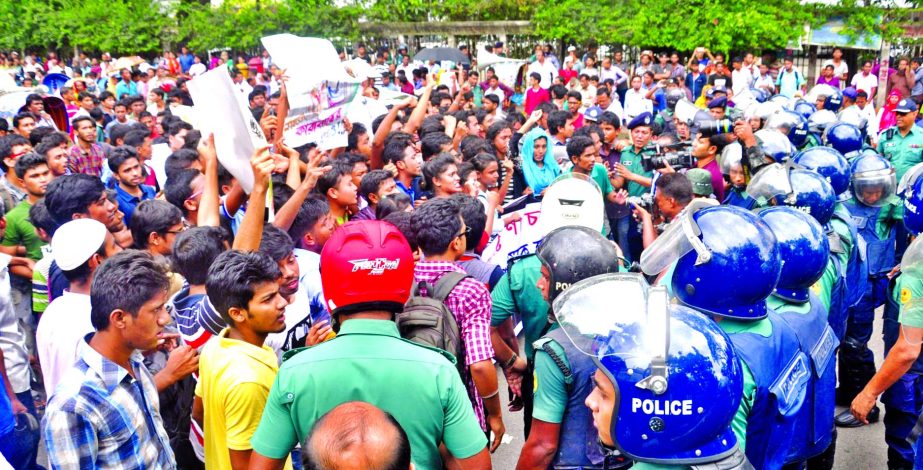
(566,75)
(535,98)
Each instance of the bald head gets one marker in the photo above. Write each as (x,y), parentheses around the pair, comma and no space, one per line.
(354,436)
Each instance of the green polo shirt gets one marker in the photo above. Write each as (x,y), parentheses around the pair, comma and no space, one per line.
(763,328)
(369,362)
(19,231)
(902,151)
(601,177)
(632,161)
(516,292)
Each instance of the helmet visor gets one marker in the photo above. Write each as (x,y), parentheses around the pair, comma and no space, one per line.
(820,90)
(599,328)
(770,182)
(874,188)
(572,199)
(679,238)
(731,156)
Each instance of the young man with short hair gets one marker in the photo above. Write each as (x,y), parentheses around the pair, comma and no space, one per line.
(120,110)
(86,156)
(23,123)
(105,411)
(125,165)
(55,155)
(441,233)
(338,187)
(375,185)
(237,369)
(12,147)
(406,157)
(32,170)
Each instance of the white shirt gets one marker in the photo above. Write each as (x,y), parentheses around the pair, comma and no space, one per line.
(865,82)
(62,327)
(838,69)
(741,79)
(636,103)
(197,69)
(547,70)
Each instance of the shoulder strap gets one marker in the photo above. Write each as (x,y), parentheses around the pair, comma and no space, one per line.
(545,345)
(446,283)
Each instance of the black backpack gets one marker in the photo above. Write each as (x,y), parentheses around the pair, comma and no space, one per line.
(427,320)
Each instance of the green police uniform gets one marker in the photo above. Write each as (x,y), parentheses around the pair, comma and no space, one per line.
(368,361)
(810,142)
(907,288)
(632,161)
(516,292)
(902,151)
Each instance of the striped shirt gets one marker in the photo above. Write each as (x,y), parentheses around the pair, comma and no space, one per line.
(101,417)
(195,317)
(470,303)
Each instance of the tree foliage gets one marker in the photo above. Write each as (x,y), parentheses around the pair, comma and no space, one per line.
(143,26)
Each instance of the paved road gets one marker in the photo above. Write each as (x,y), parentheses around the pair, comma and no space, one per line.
(861,448)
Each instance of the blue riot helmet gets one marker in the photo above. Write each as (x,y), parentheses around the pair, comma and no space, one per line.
(804,108)
(873,179)
(910,189)
(791,124)
(846,138)
(803,247)
(716,245)
(775,144)
(759,94)
(832,165)
(819,121)
(790,185)
(676,379)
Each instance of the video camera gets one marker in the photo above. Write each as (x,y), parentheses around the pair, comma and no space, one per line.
(645,201)
(678,156)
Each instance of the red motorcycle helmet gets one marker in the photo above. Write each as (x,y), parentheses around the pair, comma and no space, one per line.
(366,265)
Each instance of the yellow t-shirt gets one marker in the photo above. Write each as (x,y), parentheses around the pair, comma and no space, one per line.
(234,381)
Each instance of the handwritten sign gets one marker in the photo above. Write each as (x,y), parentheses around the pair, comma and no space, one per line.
(518,238)
(319,90)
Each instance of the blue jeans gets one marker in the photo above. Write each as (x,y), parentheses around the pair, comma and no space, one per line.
(619,234)
(20,446)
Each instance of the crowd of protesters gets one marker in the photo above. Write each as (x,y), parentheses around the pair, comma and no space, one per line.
(160,321)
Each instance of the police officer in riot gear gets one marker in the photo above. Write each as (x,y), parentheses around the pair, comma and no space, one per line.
(562,433)
(776,371)
(667,381)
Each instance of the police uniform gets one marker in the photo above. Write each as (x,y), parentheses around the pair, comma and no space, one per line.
(902,151)
(719,102)
(664,119)
(876,227)
(737,196)
(563,381)
(368,361)
(903,400)
(631,157)
(516,294)
(814,423)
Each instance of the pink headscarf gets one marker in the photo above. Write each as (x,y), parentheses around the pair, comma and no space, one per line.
(888,117)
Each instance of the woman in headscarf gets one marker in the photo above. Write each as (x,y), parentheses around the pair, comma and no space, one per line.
(886,116)
(538,164)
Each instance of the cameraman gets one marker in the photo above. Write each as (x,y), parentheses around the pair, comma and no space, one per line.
(706,151)
(673,191)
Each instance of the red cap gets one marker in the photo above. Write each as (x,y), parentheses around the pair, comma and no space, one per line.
(366,265)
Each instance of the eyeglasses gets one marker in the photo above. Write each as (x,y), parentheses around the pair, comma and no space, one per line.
(465,233)
(185,227)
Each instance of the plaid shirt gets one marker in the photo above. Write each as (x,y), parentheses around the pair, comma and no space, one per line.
(90,162)
(470,303)
(100,417)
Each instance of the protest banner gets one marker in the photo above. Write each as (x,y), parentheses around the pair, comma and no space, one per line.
(518,238)
(223,112)
(319,90)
